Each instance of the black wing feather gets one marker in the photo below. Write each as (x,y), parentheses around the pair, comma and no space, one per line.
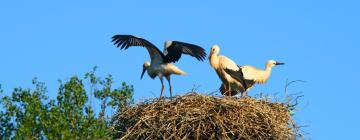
(224,91)
(238,76)
(177,48)
(126,41)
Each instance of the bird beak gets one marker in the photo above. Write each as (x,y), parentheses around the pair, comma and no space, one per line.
(142,74)
(279,63)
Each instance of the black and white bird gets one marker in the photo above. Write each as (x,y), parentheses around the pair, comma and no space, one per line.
(161,62)
(230,86)
(238,79)
(251,75)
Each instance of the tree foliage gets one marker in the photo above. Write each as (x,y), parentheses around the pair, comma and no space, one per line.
(29,114)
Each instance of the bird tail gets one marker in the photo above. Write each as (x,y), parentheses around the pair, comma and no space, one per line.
(182,73)
(177,71)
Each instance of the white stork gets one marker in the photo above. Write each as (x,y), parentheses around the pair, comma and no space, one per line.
(230,86)
(161,62)
(251,75)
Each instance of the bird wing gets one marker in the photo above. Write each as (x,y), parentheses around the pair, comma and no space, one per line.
(238,76)
(227,63)
(175,49)
(252,73)
(126,41)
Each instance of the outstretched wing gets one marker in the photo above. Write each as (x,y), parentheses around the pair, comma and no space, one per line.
(174,49)
(127,41)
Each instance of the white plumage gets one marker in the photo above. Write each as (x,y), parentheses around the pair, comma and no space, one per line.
(251,75)
(230,86)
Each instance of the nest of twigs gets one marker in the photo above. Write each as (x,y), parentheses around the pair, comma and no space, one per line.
(195,116)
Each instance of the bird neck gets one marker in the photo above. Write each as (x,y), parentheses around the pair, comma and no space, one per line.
(267,71)
(151,72)
(213,58)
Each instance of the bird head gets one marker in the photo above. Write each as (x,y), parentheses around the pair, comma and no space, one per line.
(167,43)
(215,49)
(145,67)
(272,63)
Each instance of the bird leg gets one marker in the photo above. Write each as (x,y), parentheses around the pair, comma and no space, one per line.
(229,91)
(162,86)
(245,94)
(168,79)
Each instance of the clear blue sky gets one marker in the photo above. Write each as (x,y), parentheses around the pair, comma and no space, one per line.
(318,40)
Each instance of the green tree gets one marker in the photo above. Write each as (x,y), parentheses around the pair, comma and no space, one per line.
(29,114)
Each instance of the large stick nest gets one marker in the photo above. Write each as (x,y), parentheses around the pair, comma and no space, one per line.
(195,116)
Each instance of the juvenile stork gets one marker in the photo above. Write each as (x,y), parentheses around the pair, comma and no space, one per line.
(251,75)
(161,62)
(230,86)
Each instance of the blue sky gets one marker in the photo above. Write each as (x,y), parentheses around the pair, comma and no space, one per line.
(318,40)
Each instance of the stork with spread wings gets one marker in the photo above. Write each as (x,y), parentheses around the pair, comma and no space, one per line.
(161,62)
